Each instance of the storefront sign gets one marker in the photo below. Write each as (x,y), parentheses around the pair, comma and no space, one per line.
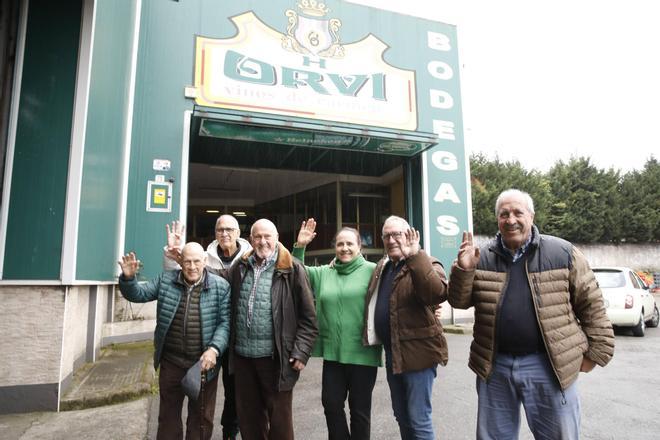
(306,72)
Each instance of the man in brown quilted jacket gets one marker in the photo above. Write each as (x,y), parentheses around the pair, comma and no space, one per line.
(405,289)
(539,320)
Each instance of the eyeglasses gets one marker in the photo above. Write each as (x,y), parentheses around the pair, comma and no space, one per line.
(224,230)
(395,235)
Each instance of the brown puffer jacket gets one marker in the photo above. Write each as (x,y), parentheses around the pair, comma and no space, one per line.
(569,305)
(417,338)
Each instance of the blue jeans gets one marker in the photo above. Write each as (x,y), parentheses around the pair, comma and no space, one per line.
(411,400)
(527,380)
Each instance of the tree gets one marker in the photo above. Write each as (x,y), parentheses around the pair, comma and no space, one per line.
(574,200)
(490,177)
(640,213)
(585,202)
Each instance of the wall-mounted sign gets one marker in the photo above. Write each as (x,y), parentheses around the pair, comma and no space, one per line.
(161,165)
(306,72)
(159,196)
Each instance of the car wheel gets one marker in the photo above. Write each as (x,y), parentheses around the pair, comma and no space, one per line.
(653,322)
(638,330)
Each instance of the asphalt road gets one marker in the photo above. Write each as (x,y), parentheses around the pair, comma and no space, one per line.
(618,402)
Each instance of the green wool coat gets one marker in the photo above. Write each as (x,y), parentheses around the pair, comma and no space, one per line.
(340,300)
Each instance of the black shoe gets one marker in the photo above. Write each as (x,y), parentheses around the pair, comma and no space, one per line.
(229,436)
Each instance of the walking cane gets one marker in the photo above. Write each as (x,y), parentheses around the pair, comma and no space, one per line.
(201,407)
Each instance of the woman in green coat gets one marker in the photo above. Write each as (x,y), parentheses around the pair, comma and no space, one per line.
(349,368)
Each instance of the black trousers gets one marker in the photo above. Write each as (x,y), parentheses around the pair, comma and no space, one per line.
(229,419)
(355,382)
(171,403)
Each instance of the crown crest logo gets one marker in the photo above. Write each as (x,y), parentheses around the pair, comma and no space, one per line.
(311,32)
(313,8)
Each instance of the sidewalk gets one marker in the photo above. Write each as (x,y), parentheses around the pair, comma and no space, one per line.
(123,372)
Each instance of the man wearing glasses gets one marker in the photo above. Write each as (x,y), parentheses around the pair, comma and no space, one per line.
(222,253)
(406,288)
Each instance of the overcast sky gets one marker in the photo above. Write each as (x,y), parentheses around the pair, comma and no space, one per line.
(547,80)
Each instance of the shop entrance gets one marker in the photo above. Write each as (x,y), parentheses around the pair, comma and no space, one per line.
(288,183)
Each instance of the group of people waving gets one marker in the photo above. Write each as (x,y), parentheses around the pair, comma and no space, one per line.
(257,310)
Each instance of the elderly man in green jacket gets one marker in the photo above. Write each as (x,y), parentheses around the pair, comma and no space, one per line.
(192,324)
(539,320)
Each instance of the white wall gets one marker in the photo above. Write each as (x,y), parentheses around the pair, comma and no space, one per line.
(644,257)
(31,321)
(75,328)
(127,311)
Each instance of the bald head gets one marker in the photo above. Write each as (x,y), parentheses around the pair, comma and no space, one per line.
(193,248)
(193,262)
(264,236)
(263,224)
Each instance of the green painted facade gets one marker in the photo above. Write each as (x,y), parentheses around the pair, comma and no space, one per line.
(35,222)
(165,66)
(98,227)
(166,61)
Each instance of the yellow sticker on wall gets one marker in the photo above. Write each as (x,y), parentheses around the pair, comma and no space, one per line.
(160,196)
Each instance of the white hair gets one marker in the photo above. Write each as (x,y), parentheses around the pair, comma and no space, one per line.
(514,193)
(395,218)
(231,218)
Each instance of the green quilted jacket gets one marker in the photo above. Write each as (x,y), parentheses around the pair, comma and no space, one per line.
(167,289)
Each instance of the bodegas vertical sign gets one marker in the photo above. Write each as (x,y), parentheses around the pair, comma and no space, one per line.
(445,167)
(306,72)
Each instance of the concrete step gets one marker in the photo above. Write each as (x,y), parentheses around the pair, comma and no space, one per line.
(127,331)
(123,372)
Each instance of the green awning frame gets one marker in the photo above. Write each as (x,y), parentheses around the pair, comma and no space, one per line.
(276,129)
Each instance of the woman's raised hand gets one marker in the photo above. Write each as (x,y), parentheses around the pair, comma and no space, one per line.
(306,234)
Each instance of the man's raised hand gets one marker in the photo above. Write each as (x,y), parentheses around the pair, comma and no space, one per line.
(409,242)
(175,241)
(175,234)
(468,253)
(129,265)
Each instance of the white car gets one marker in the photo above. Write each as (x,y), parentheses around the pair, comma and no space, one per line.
(628,301)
